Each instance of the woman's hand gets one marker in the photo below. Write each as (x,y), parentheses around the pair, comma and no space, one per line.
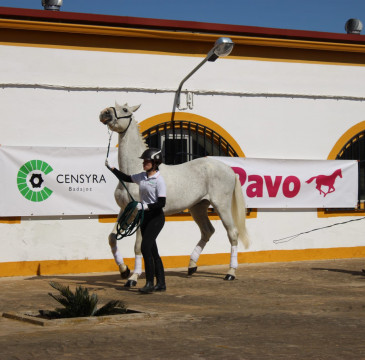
(141,206)
(107,165)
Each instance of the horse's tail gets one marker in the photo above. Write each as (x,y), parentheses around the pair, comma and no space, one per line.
(239,213)
(311,179)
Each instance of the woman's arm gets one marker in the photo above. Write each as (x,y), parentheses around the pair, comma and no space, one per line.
(121,176)
(161,202)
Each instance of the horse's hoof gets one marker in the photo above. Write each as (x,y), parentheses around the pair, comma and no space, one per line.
(229,277)
(192,270)
(130,283)
(125,274)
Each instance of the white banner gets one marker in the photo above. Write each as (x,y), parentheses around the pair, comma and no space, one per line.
(269,183)
(47,181)
(54,181)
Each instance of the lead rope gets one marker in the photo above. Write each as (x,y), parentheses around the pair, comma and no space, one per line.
(289,238)
(128,222)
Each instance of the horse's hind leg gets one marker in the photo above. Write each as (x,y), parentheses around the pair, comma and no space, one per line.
(223,209)
(200,216)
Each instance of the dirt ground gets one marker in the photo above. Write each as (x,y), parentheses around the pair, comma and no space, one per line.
(297,310)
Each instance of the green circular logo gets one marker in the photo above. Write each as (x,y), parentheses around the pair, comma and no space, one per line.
(30,180)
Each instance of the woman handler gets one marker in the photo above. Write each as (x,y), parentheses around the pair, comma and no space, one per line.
(152,192)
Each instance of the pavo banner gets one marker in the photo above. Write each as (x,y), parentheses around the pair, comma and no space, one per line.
(272,183)
(46,181)
(57,181)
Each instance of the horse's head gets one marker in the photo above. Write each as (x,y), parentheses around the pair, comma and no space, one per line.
(119,117)
(339,173)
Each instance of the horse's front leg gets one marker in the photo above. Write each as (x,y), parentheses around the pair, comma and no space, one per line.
(132,281)
(123,268)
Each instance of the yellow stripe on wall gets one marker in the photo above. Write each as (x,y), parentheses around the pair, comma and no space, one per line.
(55,267)
(10,220)
(52,267)
(182,43)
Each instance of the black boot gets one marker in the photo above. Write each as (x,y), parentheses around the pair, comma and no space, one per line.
(159,287)
(160,276)
(148,288)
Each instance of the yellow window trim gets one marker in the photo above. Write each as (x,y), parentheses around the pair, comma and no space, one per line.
(341,142)
(184,116)
(181,116)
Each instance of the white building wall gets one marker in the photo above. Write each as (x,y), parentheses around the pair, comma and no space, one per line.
(52,97)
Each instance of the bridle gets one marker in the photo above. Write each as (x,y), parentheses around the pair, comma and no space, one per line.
(111,132)
(122,117)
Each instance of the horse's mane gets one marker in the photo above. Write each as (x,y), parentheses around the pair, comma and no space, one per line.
(139,132)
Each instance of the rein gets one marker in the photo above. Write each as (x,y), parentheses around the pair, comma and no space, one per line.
(127,223)
(111,132)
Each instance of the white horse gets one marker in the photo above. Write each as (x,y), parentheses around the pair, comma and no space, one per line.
(193,185)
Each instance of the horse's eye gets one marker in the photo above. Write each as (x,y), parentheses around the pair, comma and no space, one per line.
(125,109)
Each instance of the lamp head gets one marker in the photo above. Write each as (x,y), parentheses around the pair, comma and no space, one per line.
(222,47)
(54,5)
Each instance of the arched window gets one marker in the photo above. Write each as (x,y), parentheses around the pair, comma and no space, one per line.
(350,146)
(189,137)
(354,149)
(182,141)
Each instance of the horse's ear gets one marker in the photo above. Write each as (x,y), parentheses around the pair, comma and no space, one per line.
(134,108)
(116,104)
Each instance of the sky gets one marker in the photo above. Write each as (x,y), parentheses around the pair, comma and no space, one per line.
(312,15)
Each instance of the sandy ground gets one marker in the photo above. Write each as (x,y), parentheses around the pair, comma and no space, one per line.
(297,310)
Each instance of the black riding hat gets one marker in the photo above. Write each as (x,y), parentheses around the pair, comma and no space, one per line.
(153,154)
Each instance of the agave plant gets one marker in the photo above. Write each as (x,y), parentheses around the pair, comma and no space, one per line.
(82,304)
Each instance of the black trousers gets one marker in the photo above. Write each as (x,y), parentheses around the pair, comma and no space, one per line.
(153,223)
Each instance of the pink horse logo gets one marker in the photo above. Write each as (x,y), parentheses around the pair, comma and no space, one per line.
(326,180)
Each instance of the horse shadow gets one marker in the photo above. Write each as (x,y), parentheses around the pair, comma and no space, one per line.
(114,281)
(350,272)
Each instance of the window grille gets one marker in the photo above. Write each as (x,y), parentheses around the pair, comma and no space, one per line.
(182,141)
(354,149)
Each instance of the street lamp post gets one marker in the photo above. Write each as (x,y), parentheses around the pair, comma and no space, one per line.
(222,47)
